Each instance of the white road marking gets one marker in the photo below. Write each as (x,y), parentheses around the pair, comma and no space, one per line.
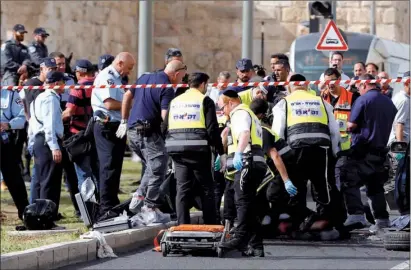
(403,265)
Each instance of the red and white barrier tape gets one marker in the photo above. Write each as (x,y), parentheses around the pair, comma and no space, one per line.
(211,84)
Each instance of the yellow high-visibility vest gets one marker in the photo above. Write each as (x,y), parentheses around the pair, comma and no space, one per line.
(307,120)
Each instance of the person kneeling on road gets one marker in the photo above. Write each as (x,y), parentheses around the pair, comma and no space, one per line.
(278,154)
(249,162)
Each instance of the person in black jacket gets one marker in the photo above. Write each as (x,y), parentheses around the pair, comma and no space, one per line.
(15,58)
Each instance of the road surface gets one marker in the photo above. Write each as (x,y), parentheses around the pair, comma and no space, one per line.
(359,252)
(279,254)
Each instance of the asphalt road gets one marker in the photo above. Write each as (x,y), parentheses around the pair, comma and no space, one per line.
(279,254)
(359,252)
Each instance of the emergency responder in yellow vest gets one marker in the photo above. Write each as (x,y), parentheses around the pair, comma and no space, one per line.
(280,188)
(248,160)
(192,131)
(308,125)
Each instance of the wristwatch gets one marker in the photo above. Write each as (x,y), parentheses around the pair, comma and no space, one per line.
(123,121)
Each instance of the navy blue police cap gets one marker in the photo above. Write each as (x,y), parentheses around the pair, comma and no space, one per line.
(55,76)
(19,28)
(48,62)
(104,61)
(41,31)
(83,65)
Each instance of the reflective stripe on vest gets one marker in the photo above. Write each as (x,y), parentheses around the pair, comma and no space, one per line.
(186,142)
(246,97)
(256,141)
(186,123)
(307,120)
(284,150)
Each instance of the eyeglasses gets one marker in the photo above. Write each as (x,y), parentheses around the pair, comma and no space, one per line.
(222,108)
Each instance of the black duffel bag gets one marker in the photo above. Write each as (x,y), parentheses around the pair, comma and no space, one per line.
(80,144)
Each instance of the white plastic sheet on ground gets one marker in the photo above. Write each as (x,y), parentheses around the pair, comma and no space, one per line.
(103,249)
(87,190)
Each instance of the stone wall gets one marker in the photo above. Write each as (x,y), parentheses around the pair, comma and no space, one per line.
(208,32)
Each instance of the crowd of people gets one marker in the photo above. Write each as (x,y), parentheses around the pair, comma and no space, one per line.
(256,148)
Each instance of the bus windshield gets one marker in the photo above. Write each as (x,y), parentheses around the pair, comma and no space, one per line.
(313,63)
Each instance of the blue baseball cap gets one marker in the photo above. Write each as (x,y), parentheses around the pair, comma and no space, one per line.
(48,62)
(83,65)
(104,61)
(55,76)
(244,64)
(41,31)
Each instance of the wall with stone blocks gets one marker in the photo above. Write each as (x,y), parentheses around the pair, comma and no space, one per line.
(208,32)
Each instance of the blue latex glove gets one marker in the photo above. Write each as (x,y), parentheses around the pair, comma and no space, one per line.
(217,164)
(238,161)
(291,189)
(399,156)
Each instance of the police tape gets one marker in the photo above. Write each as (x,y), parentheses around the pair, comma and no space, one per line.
(246,84)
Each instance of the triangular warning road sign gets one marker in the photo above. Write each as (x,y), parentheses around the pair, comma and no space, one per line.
(331,39)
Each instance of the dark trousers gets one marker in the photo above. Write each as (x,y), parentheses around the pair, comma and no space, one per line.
(110,152)
(338,213)
(21,139)
(48,172)
(369,171)
(278,197)
(191,171)
(312,164)
(249,225)
(71,178)
(219,187)
(12,176)
(230,209)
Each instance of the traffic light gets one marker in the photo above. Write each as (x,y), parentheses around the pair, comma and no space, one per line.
(322,9)
(318,10)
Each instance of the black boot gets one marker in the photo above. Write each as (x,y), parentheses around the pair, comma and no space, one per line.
(234,243)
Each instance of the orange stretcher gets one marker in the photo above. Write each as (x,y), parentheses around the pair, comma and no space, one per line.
(186,238)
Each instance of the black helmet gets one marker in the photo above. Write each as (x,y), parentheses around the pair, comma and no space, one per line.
(40,215)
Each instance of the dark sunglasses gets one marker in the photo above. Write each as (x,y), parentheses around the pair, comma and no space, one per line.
(183,68)
(174,54)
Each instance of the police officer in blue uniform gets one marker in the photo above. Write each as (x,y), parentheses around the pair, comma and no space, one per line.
(37,49)
(144,122)
(45,139)
(15,58)
(12,119)
(106,104)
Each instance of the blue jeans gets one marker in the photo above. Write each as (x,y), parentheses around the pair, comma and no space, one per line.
(34,186)
(153,155)
(84,169)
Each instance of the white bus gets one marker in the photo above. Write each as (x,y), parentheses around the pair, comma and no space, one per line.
(392,57)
